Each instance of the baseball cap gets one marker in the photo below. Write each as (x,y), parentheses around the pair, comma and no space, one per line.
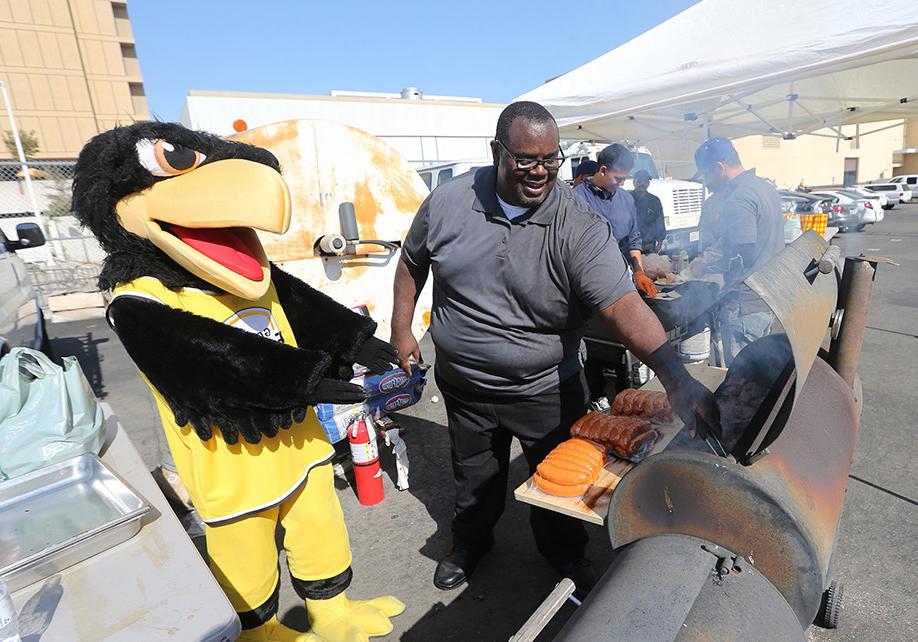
(586,168)
(712,151)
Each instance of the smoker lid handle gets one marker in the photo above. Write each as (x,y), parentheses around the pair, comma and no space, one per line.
(710,434)
(830,259)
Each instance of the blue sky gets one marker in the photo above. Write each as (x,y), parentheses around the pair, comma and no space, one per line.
(493,50)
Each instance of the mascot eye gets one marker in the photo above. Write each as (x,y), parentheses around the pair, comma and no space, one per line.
(162,158)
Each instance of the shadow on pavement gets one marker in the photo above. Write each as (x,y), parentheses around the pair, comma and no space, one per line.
(510,582)
(85,349)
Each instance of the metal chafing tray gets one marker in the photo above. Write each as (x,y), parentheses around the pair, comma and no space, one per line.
(62,514)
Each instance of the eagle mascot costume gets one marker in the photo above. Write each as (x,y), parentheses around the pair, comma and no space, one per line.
(236,352)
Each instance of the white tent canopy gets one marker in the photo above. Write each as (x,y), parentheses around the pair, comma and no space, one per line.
(738,67)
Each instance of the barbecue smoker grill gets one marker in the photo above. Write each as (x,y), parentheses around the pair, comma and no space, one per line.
(740,547)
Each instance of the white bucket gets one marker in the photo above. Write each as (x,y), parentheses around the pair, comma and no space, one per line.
(696,347)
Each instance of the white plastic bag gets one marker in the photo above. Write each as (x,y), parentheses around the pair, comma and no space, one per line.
(48,413)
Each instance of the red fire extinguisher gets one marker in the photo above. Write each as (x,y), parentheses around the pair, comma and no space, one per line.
(362,437)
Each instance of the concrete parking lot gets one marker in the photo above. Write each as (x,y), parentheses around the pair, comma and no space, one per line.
(397,543)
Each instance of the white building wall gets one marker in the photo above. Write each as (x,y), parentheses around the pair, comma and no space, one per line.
(427,131)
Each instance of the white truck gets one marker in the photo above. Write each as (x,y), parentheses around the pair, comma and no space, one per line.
(681,199)
(435,175)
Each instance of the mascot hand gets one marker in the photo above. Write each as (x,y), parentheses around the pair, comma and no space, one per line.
(334,391)
(377,355)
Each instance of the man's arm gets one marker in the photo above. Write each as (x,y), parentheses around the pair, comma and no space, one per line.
(410,277)
(643,282)
(408,285)
(639,330)
(636,259)
(635,243)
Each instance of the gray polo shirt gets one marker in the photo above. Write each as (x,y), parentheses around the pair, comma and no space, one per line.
(750,213)
(510,298)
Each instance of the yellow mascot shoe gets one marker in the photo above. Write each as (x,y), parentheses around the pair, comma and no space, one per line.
(339,619)
(274,631)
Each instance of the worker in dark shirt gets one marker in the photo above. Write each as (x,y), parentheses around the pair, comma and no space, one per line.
(751,233)
(601,194)
(584,170)
(649,214)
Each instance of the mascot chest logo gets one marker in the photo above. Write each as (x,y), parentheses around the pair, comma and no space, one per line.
(257,321)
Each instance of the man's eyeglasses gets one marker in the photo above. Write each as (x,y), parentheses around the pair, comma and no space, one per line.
(525,164)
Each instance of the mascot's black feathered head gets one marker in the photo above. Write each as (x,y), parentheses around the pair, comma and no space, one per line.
(181,206)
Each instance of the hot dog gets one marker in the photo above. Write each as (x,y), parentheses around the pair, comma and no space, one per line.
(573,459)
(564,473)
(643,403)
(625,436)
(587,447)
(559,490)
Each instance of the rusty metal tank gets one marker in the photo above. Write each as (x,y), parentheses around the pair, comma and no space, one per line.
(740,547)
(328,164)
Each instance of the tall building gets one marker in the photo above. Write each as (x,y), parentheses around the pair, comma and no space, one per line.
(71,70)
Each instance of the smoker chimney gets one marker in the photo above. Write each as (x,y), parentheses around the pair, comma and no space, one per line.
(412,93)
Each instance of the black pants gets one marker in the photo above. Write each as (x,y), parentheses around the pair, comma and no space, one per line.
(595,378)
(480,432)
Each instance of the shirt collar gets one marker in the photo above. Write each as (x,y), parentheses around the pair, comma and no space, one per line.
(599,192)
(741,178)
(485,190)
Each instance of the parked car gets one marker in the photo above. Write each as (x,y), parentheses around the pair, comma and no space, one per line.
(866,209)
(895,193)
(878,198)
(791,206)
(844,216)
(21,320)
(873,208)
(909,180)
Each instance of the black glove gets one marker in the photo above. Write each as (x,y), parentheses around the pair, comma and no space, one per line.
(690,398)
(334,391)
(377,355)
(687,396)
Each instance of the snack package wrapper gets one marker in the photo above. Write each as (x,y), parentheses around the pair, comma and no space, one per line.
(386,392)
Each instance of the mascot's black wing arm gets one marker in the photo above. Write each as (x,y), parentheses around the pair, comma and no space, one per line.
(212,374)
(319,322)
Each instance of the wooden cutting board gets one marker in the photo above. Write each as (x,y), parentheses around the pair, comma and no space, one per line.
(593,505)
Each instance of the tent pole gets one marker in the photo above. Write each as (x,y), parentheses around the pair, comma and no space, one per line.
(753,111)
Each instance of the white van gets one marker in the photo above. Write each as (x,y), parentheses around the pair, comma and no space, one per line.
(435,175)
(908,180)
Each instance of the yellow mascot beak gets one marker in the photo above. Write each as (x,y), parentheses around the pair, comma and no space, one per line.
(205,221)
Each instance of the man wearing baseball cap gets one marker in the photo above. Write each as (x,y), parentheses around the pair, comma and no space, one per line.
(584,170)
(751,233)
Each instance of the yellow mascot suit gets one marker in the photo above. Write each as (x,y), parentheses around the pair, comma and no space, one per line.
(236,352)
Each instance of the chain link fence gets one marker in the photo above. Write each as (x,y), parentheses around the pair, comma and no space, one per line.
(71,258)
